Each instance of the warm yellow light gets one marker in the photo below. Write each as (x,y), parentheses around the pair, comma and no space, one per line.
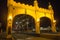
(38,20)
(10,17)
(54,21)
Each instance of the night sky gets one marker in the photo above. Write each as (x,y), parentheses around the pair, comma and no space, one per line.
(42,3)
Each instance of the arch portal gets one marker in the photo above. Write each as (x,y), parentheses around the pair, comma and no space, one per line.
(23,23)
(45,24)
(24,15)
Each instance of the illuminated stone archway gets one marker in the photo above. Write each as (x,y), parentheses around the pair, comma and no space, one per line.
(45,24)
(34,11)
(23,23)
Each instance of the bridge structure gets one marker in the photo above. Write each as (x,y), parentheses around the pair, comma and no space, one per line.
(35,12)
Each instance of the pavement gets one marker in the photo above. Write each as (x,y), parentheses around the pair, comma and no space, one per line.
(31,36)
(42,36)
(28,37)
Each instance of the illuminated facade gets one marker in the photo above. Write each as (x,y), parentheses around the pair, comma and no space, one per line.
(34,11)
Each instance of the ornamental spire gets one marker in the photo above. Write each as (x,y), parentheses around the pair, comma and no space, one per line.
(50,6)
(35,3)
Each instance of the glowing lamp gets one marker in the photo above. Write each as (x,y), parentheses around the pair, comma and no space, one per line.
(54,21)
(10,18)
(38,20)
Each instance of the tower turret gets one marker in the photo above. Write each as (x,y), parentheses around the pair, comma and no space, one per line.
(49,6)
(35,3)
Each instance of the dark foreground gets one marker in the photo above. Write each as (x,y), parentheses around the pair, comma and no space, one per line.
(31,36)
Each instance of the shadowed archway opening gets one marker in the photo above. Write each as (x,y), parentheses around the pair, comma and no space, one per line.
(45,25)
(23,23)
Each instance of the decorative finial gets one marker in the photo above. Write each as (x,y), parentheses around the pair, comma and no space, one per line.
(35,3)
(50,6)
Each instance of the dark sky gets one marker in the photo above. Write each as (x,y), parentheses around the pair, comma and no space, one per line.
(42,3)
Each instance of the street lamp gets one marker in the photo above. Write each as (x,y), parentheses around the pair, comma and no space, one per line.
(10,17)
(54,21)
(38,20)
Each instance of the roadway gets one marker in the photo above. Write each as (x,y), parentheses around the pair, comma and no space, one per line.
(24,36)
(43,36)
(28,37)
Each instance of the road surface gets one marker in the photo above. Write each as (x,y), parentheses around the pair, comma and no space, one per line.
(24,36)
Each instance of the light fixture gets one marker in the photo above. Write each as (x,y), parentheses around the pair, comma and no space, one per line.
(10,17)
(54,21)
